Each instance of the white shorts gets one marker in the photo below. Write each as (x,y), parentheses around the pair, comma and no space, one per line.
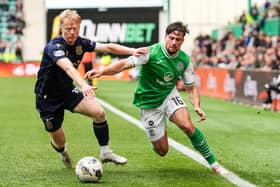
(154,120)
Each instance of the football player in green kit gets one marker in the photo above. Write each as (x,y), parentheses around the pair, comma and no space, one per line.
(157,97)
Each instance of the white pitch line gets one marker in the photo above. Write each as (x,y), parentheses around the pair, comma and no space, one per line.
(233,178)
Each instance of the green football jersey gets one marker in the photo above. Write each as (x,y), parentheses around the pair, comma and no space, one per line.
(158,75)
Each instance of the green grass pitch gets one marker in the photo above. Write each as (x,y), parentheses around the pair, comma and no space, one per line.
(245,140)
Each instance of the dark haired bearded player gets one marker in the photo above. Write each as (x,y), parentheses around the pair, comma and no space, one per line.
(157,97)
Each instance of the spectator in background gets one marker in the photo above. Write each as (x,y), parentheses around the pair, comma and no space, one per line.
(4,6)
(12,30)
(20,22)
(274,11)
(233,62)
(260,41)
(230,42)
(19,6)
(249,59)
(253,50)
(266,5)
(260,61)
(242,18)
(270,60)
(18,50)
(254,12)
(3,46)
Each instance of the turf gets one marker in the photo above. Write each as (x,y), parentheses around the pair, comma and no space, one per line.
(243,140)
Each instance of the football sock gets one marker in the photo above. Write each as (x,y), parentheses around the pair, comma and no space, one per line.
(199,142)
(101,132)
(105,149)
(60,150)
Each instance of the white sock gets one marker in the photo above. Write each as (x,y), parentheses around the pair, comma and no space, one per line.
(214,164)
(105,149)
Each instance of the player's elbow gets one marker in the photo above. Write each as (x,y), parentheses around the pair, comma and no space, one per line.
(126,64)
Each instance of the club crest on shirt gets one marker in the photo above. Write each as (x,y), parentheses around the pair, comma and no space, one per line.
(180,66)
(79,50)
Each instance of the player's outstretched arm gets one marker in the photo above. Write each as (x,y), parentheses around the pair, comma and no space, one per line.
(112,69)
(120,49)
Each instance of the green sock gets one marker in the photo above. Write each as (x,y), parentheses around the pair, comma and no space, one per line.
(199,142)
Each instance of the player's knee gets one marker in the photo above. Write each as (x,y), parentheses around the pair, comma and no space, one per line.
(188,129)
(161,151)
(99,115)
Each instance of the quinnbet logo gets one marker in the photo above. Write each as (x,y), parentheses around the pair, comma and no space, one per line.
(117,32)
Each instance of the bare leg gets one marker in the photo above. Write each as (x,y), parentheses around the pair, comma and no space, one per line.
(161,146)
(58,142)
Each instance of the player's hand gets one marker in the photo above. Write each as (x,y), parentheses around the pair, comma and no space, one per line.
(92,74)
(141,51)
(201,114)
(88,91)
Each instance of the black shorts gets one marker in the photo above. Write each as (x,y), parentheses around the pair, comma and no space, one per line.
(51,109)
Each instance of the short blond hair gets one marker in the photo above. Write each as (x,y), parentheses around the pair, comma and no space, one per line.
(70,15)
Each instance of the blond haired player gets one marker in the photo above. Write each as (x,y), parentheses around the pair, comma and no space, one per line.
(55,91)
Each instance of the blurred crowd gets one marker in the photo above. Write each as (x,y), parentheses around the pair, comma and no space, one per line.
(253,50)
(12,24)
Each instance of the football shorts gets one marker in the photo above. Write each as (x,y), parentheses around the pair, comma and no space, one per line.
(154,120)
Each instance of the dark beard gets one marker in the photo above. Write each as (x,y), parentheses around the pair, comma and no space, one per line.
(171,53)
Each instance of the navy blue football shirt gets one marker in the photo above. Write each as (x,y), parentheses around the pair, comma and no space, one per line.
(52,80)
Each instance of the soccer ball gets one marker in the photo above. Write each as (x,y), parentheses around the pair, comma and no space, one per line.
(89,169)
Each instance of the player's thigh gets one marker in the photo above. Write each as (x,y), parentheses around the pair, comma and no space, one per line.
(177,111)
(91,108)
(181,117)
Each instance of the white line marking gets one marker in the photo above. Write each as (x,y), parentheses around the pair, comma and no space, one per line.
(233,178)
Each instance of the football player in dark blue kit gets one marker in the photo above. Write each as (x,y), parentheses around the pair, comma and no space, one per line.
(55,91)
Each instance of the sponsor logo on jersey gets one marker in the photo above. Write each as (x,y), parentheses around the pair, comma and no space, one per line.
(168,76)
(151,123)
(58,53)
